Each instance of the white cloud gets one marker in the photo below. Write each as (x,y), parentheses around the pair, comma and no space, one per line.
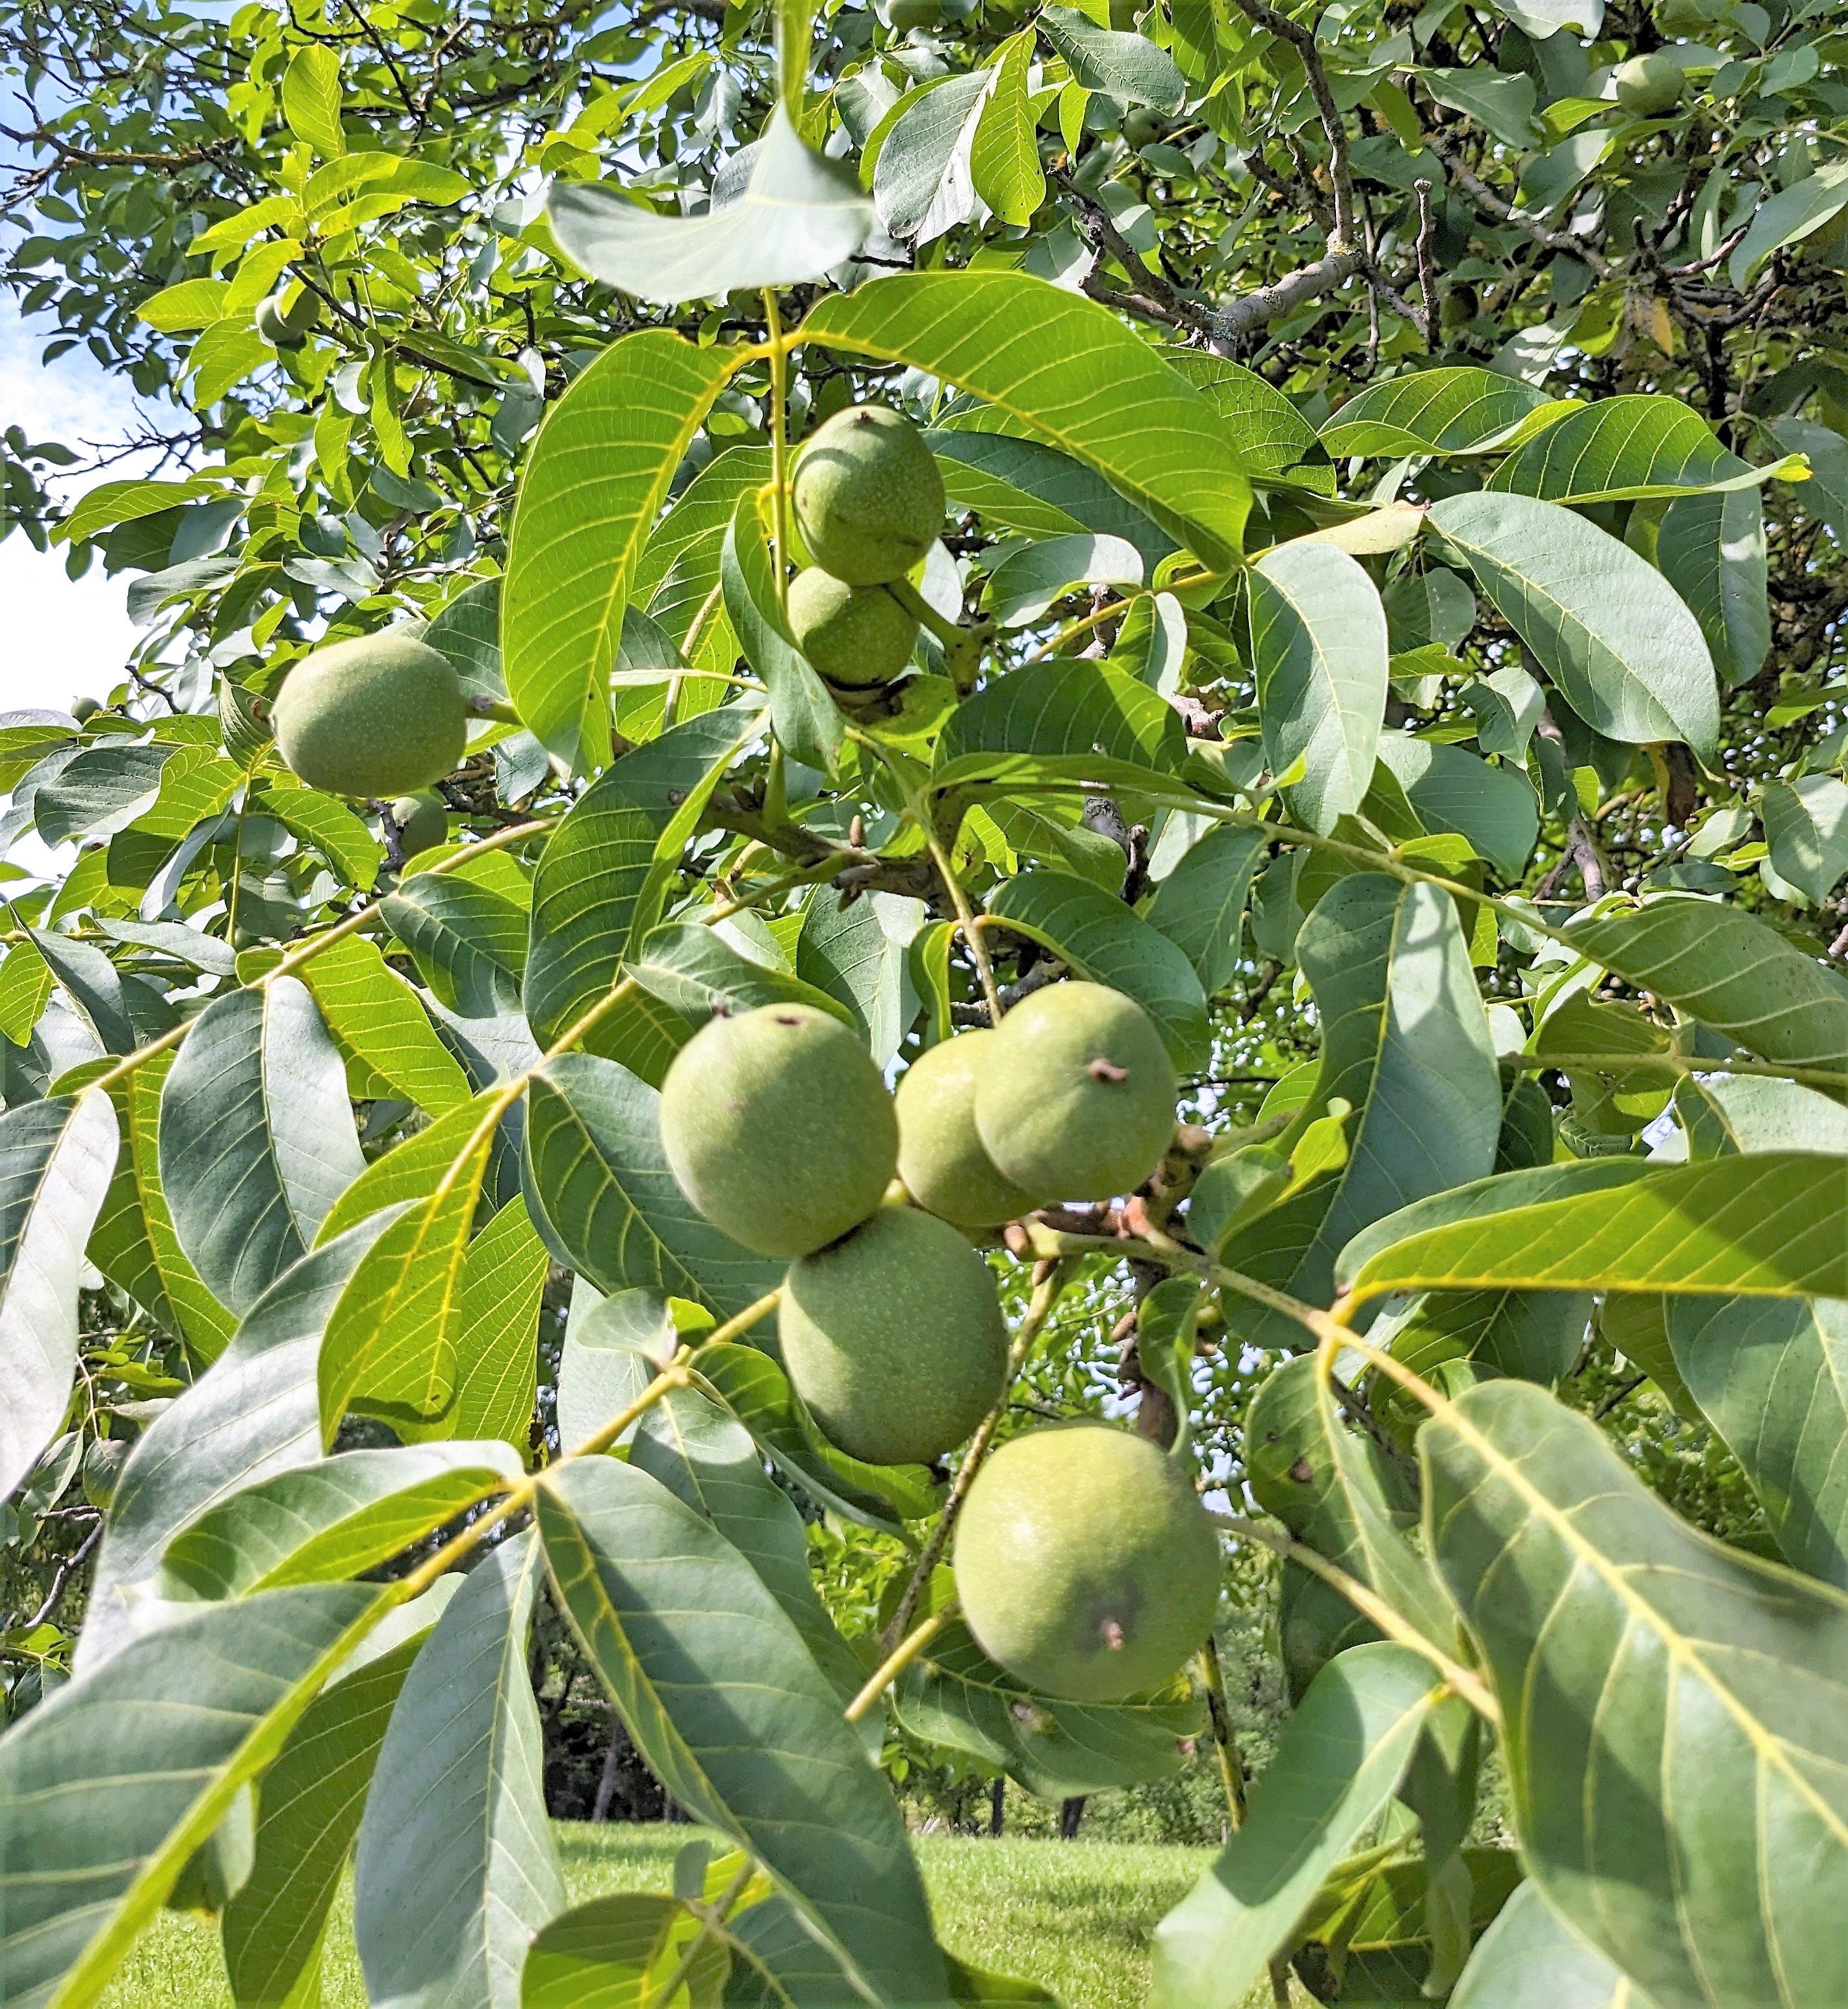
(61,637)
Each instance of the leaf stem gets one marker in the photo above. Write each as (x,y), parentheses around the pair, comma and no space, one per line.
(1232,1767)
(779,447)
(1468,1685)
(306,951)
(897,1660)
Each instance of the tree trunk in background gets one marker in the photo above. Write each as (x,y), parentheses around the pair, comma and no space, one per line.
(1071,1812)
(997,1800)
(606,1785)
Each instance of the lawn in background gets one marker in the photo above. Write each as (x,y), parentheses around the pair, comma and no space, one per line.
(1075,1916)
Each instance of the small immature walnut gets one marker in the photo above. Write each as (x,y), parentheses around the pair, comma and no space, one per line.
(869,500)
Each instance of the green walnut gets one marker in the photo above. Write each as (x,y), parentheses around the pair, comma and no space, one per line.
(286,326)
(1074,1097)
(940,1158)
(422,822)
(778,1128)
(868,499)
(380,715)
(84,709)
(857,636)
(1084,1564)
(893,1338)
(1649,85)
(1140,125)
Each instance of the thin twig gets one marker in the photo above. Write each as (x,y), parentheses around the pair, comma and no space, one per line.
(1428,276)
(897,1660)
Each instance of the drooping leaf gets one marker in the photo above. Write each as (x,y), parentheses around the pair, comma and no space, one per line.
(1651,1680)
(679,575)
(1340,1761)
(257,1139)
(621,1952)
(108,1787)
(1100,938)
(722,1697)
(1031,580)
(922,184)
(800,215)
(456,1866)
(1603,624)
(1072,373)
(1530,1959)
(252,1415)
(1624,449)
(807,720)
(1319,641)
(858,955)
(606,869)
(57,1157)
(600,1190)
(619,432)
(336,1518)
(1771,1374)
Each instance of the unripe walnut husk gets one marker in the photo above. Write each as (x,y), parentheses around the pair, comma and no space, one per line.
(422,822)
(858,637)
(1074,1095)
(778,1128)
(378,716)
(1084,1562)
(893,1338)
(1648,87)
(868,498)
(940,1158)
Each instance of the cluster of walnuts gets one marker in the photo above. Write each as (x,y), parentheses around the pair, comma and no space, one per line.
(1084,1562)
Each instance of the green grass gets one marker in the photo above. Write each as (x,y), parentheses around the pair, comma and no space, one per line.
(1075,1916)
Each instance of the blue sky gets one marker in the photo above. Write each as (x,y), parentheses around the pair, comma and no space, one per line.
(64,638)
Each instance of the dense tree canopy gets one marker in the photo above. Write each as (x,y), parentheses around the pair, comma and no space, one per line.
(1386,623)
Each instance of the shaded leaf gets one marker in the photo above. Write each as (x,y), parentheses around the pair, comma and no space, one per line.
(1200,905)
(602,1192)
(606,870)
(1319,642)
(806,718)
(256,1139)
(107,1787)
(1340,1761)
(1529,1959)
(1622,647)
(469,942)
(1081,721)
(1628,1651)
(1130,67)
(721,1695)
(456,1865)
(252,1415)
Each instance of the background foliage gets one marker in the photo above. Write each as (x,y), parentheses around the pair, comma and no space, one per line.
(1398,489)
